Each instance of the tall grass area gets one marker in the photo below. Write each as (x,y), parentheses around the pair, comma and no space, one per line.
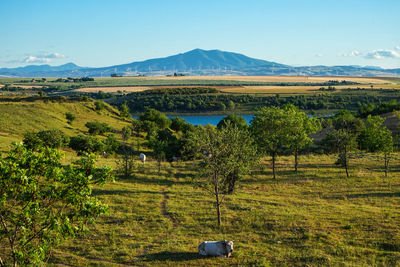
(315,217)
(17,118)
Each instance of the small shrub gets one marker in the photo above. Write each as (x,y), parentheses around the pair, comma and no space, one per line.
(96,127)
(99,105)
(89,144)
(53,138)
(70,117)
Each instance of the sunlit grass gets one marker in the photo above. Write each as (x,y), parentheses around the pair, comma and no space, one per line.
(313,217)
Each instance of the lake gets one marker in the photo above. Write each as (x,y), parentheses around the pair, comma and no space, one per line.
(205,119)
(214,119)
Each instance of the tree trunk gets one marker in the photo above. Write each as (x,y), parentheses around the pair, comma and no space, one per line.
(159,165)
(346,163)
(386,165)
(296,161)
(231,185)
(273,164)
(216,191)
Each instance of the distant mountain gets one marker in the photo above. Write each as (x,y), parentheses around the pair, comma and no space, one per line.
(38,70)
(197,62)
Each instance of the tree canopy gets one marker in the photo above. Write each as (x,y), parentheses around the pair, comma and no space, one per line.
(43,202)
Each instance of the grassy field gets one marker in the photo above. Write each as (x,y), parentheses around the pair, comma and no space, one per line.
(16,118)
(316,217)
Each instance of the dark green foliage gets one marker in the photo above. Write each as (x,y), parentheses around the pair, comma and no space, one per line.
(343,138)
(88,144)
(377,138)
(235,120)
(301,128)
(70,117)
(32,141)
(372,109)
(180,125)
(43,202)
(153,120)
(126,133)
(274,129)
(99,105)
(111,144)
(96,127)
(124,111)
(53,138)
(224,154)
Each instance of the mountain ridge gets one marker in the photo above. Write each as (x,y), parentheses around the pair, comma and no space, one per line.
(197,62)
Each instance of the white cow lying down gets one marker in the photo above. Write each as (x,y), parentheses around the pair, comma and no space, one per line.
(216,248)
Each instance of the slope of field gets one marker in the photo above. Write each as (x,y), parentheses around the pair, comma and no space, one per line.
(16,118)
(315,217)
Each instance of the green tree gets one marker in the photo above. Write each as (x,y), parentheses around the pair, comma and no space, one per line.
(70,117)
(375,137)
(53,138)
(96,127)
(164,145)
(159,119)
(220,153)
(273,129)
(43,202)
(343,138)
(99,105)
(111,144)
(86,144)
(125,160)
(124,111)
(233,119)
(302,127)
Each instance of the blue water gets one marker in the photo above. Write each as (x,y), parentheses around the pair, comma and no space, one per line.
(213,119)
(205,119)
(208,119)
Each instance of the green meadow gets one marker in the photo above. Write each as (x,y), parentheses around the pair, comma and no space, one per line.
(315,217)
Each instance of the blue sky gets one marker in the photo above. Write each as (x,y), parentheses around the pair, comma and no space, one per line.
(103,33)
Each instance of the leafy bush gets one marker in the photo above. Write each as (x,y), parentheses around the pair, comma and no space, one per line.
(70,117)
(111,144)
(83,143)
(53,138)
(99,105)
(96,127)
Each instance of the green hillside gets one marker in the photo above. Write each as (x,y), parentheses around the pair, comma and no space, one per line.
(16,118)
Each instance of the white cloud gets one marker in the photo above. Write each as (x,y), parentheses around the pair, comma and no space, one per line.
(398,47)
(33,59)
(318,55)
(353,53)
(381,54)
(43,58)
(53,55)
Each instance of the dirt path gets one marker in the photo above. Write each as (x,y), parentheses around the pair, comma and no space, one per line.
(163,205)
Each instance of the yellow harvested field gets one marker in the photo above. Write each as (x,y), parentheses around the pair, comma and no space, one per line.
(364,80)
(113,89)
(296,89)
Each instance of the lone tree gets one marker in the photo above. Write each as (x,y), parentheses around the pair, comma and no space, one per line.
(125,160)
(124,111)
(302,127)
(70,117)
(220,153)
(43,202)
(248,156)
(377,138)
(165,145)
(274,129)
(343,138)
